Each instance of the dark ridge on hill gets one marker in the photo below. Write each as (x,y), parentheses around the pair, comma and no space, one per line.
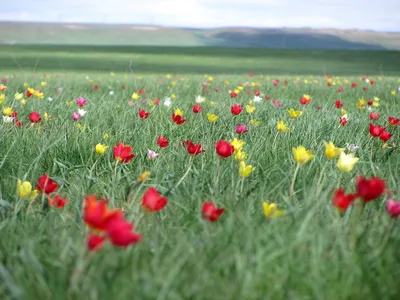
(145,35)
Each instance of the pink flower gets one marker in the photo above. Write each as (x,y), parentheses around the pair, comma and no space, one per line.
(241,129)
(81,102)
(393,208)
(76,116)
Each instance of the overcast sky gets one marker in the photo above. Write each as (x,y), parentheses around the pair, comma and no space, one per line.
(382,15)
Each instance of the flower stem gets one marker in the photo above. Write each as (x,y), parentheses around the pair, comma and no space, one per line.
(358,207)
(291,191)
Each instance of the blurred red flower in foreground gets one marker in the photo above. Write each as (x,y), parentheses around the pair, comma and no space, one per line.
(342,201)
(210,212)
(370,189)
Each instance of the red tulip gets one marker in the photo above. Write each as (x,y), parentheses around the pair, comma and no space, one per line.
(370,102)
(94,242)
(304,100)
(338,104)
(97,215)
(197,109)
(364,88)
(162,142)
(376,130)
(34,117)
(236,109)
(193,149)
(374,116)
(342,201)
(121,233)
(372,81)
(354,84)
(57,201)
(140,92)
(343,120)
(224,149)
(340,90)
(210,212)
(143,114)
(46,184)
(393,121)
(370,189)
(257,92)
(233,95)
(152,201)
(385,136)
(393,208)
(177,119)
(123,153)
(240,129)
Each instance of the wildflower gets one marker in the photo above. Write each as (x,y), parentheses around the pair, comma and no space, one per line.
(152,201)
(393,208)
(254,122)
(162,142)
(200,99)
(294,113)
(167,102)
(271,211)
(135,96)
(374,116)
(237,144)
(302,155)
(76,116)
(393,92)
(236,109)
(245,170)
(196,109)
(385,136)
(352,147)
(101,148)
(142,177)
(250,109)
(331,151)
(257,99)
(192,149)
(94,242)
(123,153)
(338,104)
(343,120)
(346,162)
(305,99)
(81,102)
(46,185)
(7,111)
(34,117)
(360,104)
(393,121)
(212,117)
(106,136)
(24,190)
(281,126)
(376,130)
(240,129)
(18,96)
(210,212)
(177,118)
(224,149)
(342,201)
(57,201)
(96,214)
(370,189)
(143,114)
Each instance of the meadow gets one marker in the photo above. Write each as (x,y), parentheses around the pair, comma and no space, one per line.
(210,192)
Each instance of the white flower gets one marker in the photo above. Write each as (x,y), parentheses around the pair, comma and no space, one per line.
(50,99)
(81,112)
(151,154)
(257,99)
(87,77)
(167,102)
(352,147)
(7,119)
(369,108)
(200,99)
(111,93)
(399,88)
(366,80)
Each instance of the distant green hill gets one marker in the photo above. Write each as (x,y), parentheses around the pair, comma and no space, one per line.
(104,34)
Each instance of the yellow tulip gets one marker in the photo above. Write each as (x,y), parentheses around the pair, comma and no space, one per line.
(43,83)
(240,155)
(178,112)
(302,155)
(282,126)
(250,109)
(245,170)
(271,211)
(24,190)
(135,96)
(255,123)
(7,111)
(294,113)
(142,177)
(331,151)
(346,162)
(212,117)
(237,144)
(101,148)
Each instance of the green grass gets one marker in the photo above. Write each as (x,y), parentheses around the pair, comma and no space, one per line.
(196,60)
(311,253)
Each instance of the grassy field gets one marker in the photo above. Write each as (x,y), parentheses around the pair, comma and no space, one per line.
(310,251)
(196,60)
